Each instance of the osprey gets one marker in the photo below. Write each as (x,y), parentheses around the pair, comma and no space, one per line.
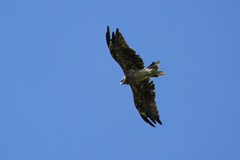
(136,76)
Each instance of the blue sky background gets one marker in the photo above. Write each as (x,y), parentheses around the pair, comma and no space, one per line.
(60,92)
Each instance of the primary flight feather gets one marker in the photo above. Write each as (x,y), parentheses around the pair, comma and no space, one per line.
(136,76)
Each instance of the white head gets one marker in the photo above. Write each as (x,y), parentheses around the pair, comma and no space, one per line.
(123,80)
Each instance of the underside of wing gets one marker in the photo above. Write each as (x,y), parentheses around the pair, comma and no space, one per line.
(121,52)
(144,99)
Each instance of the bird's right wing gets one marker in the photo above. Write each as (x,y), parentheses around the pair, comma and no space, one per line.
(144,99)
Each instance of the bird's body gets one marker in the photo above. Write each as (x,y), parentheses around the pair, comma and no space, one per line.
(136,76)
(141,74)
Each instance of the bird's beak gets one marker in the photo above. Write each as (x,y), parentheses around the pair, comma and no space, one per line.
(122,83)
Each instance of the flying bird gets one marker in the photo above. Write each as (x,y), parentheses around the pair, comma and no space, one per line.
(136,76)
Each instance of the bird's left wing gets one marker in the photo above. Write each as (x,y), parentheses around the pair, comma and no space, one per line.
(144,99)
(121,52)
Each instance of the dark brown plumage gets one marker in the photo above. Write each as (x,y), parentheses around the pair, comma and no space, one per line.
(136,76)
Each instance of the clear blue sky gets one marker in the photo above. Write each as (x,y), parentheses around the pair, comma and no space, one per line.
(60,92)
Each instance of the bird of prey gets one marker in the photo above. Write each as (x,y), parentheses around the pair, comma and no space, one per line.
(136,76)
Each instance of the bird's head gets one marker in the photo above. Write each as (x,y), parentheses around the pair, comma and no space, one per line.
(123,80)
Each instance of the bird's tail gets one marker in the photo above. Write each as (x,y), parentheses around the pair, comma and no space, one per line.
(154,69)
(154,65)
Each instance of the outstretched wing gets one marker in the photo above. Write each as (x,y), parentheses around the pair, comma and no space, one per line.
(144,99)
(121,52)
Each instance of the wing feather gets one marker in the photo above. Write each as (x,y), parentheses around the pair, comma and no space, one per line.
(144,99)
(126,57)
